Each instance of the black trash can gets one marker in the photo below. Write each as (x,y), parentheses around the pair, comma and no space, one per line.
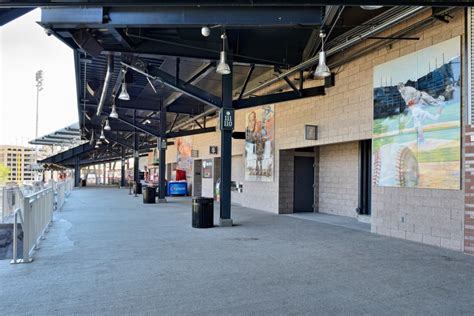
(137,188)
(203,212)
(149,195)
(83,182)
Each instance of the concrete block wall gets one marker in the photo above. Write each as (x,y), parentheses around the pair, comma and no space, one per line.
(344,116)
(339,179)
(433,217)
(469,191)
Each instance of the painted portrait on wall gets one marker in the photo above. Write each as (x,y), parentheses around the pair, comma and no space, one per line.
(184,160)
(260,144)
(417,119)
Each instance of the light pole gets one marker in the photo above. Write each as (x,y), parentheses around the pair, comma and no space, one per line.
(39,87)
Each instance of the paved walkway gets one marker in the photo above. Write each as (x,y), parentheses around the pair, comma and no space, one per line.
(110,254)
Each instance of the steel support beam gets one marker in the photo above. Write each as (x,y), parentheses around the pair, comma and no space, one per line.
(224,4)
(162,147)
(191,132)
(178,85)
(77,172)
(122,169)
(278,97)
(136,172)
(183,16)
(226,154)
(143,128)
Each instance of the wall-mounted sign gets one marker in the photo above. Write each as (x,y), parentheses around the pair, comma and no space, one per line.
(227,119)
(311,132)
(213,150)
(162,143)
(194,153)
(207,168)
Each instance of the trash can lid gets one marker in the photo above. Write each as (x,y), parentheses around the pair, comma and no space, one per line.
(202,199)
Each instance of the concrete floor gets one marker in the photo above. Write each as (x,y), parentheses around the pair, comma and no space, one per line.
(110,254)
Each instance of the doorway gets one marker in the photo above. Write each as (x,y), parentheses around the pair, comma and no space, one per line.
(303,193)
(365,177)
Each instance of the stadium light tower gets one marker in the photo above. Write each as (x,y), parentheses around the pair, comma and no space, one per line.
(39,87)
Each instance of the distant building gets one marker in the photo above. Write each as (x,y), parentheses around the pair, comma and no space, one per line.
(21,161)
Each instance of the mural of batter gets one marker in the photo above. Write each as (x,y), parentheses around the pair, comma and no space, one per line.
(259,144)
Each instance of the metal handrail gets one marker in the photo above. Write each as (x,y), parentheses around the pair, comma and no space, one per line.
(36,216)
(15,235)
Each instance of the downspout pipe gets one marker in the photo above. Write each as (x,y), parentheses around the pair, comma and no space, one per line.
(105,88)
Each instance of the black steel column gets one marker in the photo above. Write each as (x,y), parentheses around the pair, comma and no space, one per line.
(77,173)
(226,153)
(122,169)
(162,146)
(136,172)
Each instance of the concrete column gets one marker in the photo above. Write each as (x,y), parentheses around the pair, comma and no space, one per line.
(77,173)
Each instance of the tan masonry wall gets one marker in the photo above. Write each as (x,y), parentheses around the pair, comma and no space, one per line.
(344,116)
(469,189)
(432,217)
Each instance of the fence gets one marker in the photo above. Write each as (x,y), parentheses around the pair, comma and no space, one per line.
(62,190)
(35,212)
(36,215)
(12,198)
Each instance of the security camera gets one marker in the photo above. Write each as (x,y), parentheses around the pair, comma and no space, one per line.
(205,31)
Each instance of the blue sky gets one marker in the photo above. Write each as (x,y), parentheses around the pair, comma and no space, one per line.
(24,49)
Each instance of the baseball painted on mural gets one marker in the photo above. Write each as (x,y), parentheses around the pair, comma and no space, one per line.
(417,119)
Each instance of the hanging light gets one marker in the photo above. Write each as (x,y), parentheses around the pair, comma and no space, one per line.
(99,142)
(113,113)
(322,70)
(96,145)
(223,68)
(102,136)
(107,126)
(124,93)
(371,7)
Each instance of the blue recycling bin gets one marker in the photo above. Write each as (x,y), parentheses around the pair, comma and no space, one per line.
(177,188)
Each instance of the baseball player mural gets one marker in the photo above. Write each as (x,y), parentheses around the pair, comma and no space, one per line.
(259,144)
(417,119)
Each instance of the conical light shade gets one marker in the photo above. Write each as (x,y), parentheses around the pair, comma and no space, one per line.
(322,70)
(98,142)
(114,113)
(124,93)
(107,126)
(223,68)
(96,146)
(102,136)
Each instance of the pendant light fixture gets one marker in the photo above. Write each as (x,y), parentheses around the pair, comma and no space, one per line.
(113,113)
(223,68)
(124,93)
(107,126)
(102,136)
(322,70)
(371,7)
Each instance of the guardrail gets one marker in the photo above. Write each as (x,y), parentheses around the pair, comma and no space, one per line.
(36,216)
(62,190)
(35,213)
(12,198)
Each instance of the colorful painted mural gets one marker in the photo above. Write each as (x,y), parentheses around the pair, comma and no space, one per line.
(260,144)
(417,119)
(184,159)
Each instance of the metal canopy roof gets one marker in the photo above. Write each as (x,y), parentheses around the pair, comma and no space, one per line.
(171,66)
(67,136)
